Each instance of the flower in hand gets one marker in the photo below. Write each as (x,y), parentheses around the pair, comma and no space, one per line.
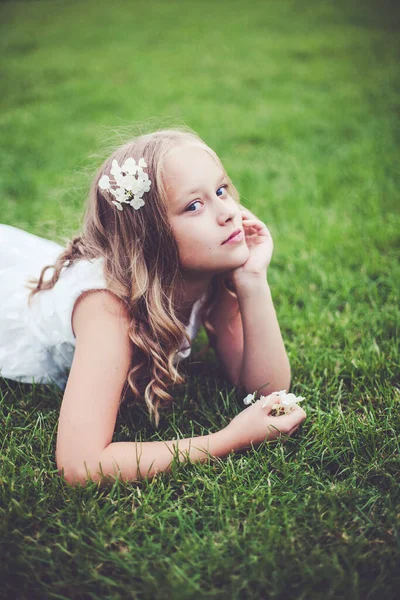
(286,405)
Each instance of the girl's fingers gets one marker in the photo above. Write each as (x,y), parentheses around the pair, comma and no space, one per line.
(294,429)
(267,403)
(294,418)
(252,222)
(246,213)
(291,421)
(256,224)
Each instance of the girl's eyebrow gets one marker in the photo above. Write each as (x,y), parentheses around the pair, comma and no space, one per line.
(195,191)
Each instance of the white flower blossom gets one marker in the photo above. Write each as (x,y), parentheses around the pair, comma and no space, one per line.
(286,404)
(290,400)
(132,182)
(146,183)
(287,401)
(119,194)
(132,185)
(136,202)
(115,168)
(249,399)
(117,204)
(129,166)
(104,182)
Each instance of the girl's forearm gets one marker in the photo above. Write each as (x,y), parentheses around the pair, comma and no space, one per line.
(264,355)
(132,461)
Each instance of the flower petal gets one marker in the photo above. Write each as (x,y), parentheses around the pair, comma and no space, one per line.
(120,179)
(290,398)
(115,169)
(146,186)
(249,399)
(136,202)
(129,166)
(104,182)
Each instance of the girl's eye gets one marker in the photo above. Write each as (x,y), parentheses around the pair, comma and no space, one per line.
(190,206)
(223,187)
(196,201)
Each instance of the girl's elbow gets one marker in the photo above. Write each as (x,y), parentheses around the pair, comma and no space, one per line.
(72,476)
(74,473)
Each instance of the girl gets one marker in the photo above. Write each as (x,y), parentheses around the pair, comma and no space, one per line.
(165,247)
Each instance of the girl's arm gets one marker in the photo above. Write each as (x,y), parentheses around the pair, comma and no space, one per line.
(248,339)
(89,408)
(264,355)
(91,400)
(265,365)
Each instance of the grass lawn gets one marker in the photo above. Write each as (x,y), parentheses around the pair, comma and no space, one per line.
(301,101)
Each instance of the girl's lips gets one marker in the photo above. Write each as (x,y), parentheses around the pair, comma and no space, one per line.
(238,237)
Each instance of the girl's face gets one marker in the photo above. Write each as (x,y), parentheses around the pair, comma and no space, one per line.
(201,212)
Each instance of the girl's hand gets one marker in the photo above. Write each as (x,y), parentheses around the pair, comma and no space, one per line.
(260,244)
(254,424)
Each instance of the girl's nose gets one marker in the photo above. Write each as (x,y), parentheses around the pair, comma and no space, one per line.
(226,212)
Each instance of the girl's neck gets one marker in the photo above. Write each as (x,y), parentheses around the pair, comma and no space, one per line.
(187,293)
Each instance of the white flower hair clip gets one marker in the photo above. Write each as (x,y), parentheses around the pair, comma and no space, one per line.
(132,182)
(286,404)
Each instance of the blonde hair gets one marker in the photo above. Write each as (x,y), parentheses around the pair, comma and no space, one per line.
(134,268)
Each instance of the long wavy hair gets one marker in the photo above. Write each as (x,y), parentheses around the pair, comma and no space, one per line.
(136,271)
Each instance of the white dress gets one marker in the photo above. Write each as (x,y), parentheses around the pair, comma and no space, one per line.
(37,343)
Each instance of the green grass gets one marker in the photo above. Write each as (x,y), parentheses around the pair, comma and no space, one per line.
(301,101)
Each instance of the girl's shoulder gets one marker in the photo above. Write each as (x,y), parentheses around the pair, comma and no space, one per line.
(84,290)
(100,309)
